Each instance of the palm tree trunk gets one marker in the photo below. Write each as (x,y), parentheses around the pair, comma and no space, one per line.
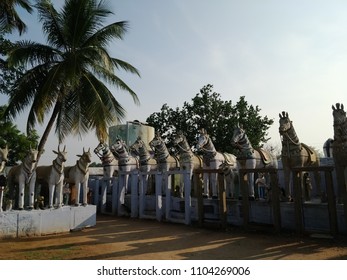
(48,129)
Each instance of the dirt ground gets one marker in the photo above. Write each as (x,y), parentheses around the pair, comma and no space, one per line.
(131,239)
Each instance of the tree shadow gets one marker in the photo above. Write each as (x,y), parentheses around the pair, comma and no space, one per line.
(126,238)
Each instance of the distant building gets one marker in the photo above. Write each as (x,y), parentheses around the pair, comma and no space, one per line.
(130,131)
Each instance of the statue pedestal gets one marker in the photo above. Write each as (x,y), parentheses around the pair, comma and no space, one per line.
(49,221)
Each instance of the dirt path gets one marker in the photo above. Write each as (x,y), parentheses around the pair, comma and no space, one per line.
(129,239)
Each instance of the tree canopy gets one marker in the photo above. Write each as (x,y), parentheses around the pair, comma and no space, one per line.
(17,142)
(207,110)
(69,76)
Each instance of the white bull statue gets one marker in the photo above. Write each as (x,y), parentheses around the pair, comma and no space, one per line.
(77,176)
(53,176)
(20,176)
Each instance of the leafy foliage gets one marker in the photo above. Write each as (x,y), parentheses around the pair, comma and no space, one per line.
(68,77)
(218,117)
(9,18)
(8,75)
(17,142)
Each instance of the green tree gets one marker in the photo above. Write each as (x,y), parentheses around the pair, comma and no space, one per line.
(17,142)
(218,117)
(9,18)
(68,76)
(8,75)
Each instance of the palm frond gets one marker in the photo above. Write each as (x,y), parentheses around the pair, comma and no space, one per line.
(52,24)
(27,52)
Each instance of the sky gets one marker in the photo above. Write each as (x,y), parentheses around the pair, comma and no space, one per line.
(281,55)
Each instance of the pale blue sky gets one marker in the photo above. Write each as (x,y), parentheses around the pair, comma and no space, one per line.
(282,55)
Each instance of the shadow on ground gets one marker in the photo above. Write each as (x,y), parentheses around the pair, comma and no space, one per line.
(127,239)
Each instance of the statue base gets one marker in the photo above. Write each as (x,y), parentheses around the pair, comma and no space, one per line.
(14,224)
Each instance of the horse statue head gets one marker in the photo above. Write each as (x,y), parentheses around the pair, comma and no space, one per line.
(119,148)
(138,145)
(238,135)
(156,142)
(179,138)
(203,139)
(339,114)
(101,148)
(285,123)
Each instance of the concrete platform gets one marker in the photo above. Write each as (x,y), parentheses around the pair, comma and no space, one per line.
(14,224)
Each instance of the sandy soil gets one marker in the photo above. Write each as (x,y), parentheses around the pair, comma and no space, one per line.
(129,239)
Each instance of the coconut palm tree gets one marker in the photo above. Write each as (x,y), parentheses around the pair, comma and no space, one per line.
(68,76)
(9,18)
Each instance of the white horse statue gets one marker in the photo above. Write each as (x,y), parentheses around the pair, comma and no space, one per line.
(21,175)
(188,160)
(108,160)
(126,163)
(3,161)
(165,161)
(339,149)
(146,160)
(212,160)
(251,158)
(295,154)
(53,177)
(77,176)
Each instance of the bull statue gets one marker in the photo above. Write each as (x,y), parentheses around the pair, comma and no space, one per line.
(21,175)
(52,176)
(77,176)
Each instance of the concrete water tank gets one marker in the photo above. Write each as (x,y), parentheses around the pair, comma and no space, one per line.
(130,131)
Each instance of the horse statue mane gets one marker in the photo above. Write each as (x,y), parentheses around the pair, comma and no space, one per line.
(164,159)
(139,149)
(185,151)
(108,160)
(241,141)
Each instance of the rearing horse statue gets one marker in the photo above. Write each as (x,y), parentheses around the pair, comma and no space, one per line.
(126,163)
(250,157)
(212,160)
(165,161)
(188,160)
(295,154)
(108,160)
(146,160)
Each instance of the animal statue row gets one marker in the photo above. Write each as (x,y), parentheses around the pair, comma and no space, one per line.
(49,178)
(293,154)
